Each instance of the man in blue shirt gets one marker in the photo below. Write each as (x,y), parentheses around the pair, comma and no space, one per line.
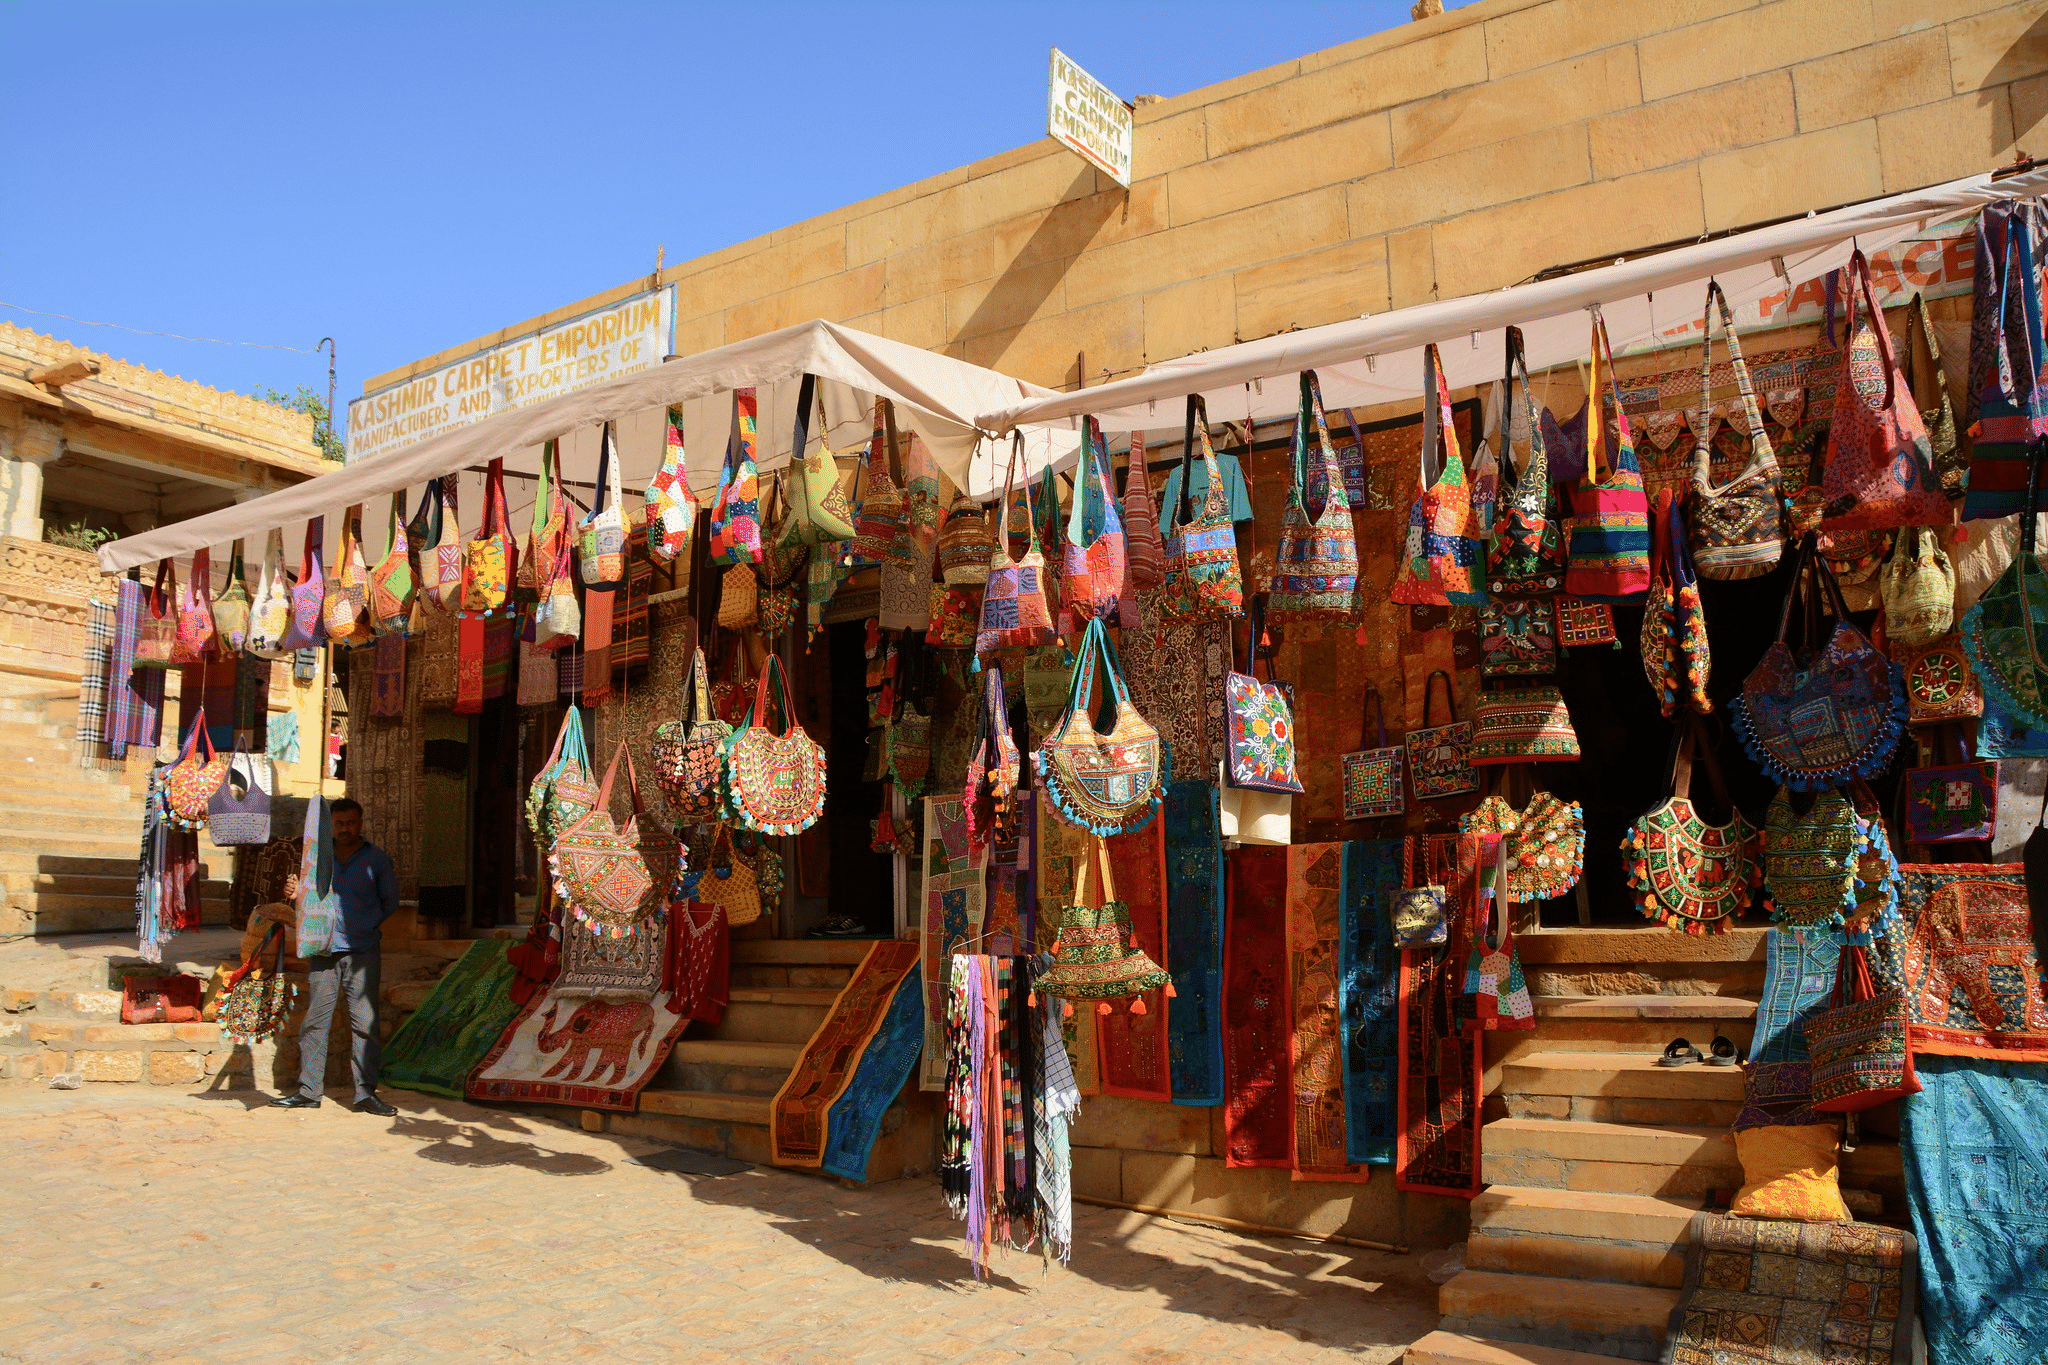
(368,888)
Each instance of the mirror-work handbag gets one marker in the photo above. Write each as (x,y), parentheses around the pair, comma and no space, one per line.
(1518,636)
(1580,622)
(1858,1044)
(1951,803)
(1014,614)
(1201,580)
(1880,467)
(1261,752)
(1315,569)
(1372,775)
(257,1002)
(2006,632)
(689,753)
(1440,756)
(1940,684)
(671,506)
(1738,529)
(1107,781)
(1610,526)
(1097,956)
(441,562)
(1544,842)
(614,880)
(1444,562)
(1828,718)
(156,639)
(1526,557)
(1687,874)
(1523,725)
(736,507)
(192,780)
(773,784)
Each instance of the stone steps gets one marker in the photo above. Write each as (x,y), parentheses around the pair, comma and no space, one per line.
(1624,1320)
(1586,1235)
(1456,1348)
(1617,1088)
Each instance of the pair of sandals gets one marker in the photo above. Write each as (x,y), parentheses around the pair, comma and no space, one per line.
(1681,1052)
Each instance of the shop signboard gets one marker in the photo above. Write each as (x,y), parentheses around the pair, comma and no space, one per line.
(1083,115)
(620,338)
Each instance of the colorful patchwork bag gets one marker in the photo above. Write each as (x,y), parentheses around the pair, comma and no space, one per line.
(1444,562)
(489,558)
(1315,569)
(1811,859)
(966,544)
(1675,653)
(1609,543)
(995,769)
(1517,636)
(193,640)
(773,784)
(1687,874)
(955,617)
(1544,842)
(1372,776)
(882,519)
(689,753)
(309,593)
(391,582)
(564,791)
(614,880)
(601,536)
(1014,614)
(231,606)
(270,610)
(1107,779)
(671,506)
(1201,580)
(1941,687)
(1858,1044)
(256,1003)
(820,510)
(441,564)
(1097,956)
(736,507)
(2006,632)
(1523,725)
(191,782)
(1093,558)
(1144,550)
(557,615)
(1738,529)
(1526,557)
(347,604)
(1580,622)
(1496,994)
(2008,362)
(1880,466)
(1830,714)
(1440,756)
(544,532)
(1261,753)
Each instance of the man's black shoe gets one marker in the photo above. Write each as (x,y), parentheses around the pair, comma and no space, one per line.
(373,1105)
(294,1102)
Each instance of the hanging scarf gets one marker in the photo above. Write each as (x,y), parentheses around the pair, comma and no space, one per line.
(1058,1105)
(954,1177)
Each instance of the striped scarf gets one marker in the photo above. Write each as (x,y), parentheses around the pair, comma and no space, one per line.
(92,684)
(1056,1105)
(135,696)
(954,1179)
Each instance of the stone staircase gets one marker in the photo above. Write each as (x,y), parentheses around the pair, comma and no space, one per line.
(1596,1158)
(715,1091)
(68,835)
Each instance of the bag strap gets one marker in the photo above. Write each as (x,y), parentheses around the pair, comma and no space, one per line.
(605,477)
(807,393)
(543,493)
(1596,421)
(1094,460)
(1807,553)
(1214,501)
(276,931)
(604,792)
(235,569)
(1098,855)
(1372,707)
(757,712)
(1435,418)
(1761,452)
(1859,274)
(1010,482)
(1429,695)
(1535,472)
(316,541)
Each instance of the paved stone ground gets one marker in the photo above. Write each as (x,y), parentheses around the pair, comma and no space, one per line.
(197,1230)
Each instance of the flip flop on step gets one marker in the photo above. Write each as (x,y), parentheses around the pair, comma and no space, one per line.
(1680,1052)
(1724,1052)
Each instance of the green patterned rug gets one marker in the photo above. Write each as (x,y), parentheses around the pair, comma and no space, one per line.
(435,1048)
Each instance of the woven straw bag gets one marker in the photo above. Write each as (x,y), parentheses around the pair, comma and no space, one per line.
(729,882)
(1918,587)
(739,598)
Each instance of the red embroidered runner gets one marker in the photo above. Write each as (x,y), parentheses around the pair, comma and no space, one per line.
(1257,1108)
(1437,1149)
(1315,879)
(1135,1060)
(797,1120)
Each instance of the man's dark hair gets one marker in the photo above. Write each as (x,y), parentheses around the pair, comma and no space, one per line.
(336,807)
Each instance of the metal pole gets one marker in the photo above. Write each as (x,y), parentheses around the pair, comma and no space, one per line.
(327,345)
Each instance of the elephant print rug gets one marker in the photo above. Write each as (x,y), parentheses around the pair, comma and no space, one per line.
(440,1041)
(594,1046)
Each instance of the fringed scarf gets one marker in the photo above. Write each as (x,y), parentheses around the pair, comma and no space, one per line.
(1057,1104)
(954,1176)
(1020,1087)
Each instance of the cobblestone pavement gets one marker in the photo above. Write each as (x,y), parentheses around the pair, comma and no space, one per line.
(197,1230)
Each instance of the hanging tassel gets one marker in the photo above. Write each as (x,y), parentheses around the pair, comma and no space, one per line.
(1171,993)
(1137,1004)
(1066,1009)
(1032,1000)
(1102,1007)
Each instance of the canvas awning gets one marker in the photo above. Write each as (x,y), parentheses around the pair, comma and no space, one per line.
(1379,359)
(935,395)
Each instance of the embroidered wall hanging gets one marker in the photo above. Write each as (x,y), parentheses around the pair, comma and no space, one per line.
(1369,999)
(1973,982)
(1315,886)
(1258,1109)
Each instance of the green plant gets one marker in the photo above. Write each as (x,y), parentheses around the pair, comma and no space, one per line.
(314,406)
(76,534)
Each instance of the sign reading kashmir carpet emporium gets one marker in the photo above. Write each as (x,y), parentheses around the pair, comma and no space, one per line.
(1082,114)
(622,338)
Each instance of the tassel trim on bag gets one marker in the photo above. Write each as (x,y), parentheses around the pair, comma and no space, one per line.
(1875,758)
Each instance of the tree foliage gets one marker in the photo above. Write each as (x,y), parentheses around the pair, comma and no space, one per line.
(313,405)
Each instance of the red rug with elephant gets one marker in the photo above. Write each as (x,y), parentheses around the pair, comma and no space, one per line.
(602,1030)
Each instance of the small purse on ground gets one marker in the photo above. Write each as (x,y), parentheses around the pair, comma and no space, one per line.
(1372,775)
(161,999)
(1261,753)
(256,1004)
(1106,780)
(1858,1044)
(1738,529)
(1444,561)
(1440,756)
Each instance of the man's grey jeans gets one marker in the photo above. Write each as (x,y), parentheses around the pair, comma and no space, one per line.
(331,975)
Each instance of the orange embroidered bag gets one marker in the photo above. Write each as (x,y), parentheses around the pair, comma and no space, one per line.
(1445,560)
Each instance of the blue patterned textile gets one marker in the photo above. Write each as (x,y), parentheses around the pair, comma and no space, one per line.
(1369,999)
(855,1118)
(1194,941)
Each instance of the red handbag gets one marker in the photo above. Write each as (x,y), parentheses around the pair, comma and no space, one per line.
(1859,1048)
(160,999)
(1880,467)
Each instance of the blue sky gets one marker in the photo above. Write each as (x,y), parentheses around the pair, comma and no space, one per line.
(405,177)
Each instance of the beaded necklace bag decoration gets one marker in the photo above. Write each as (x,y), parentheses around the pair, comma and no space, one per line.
(1831,717)
(615,880)
(1315,574)
(1106,780)
(774,784)
(1687,874)
(1811,859)
(1545,842)
(689,752)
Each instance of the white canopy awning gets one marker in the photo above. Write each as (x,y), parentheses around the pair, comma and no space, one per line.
(1379,359)
(936,396)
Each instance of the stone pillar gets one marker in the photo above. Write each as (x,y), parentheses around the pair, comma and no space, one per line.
(34,444)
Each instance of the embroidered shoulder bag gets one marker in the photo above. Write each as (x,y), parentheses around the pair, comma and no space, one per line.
(1880,467)
(156,637)
(1918,589)
(256,1003)
(1610,528)
(1526,556)
(966,544)
(1518,636)
(2008,362)
(1440,756)
(736,507)
(194,641)
(1544,842)
(348,591)
(1097,956)
(1261,752)
(1200,580)
(391,582)
(773,784)
(238,812)
(882,520)
(545,528)
(1738,529)
(689,753)
(1107,779)
(1372,775)
(1858,1044)
(1014,614)
(671,506)
(231,606)
(192,780)
(1523,725)
(270,610)
(441,564)
(1145,551)
(1811,859)
(1315,569)
(995,769)
(2006,632)
(602,534)
(1094,555)
(1444,561)
(1941,687)
(1496,994)
(728,881)
(1835,714)
(1676,658)
(1687,874)
(563,792)
(615,880)
(309,593)
(818,511)
(319,908)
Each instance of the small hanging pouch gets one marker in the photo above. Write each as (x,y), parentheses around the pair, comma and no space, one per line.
(1440,756)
